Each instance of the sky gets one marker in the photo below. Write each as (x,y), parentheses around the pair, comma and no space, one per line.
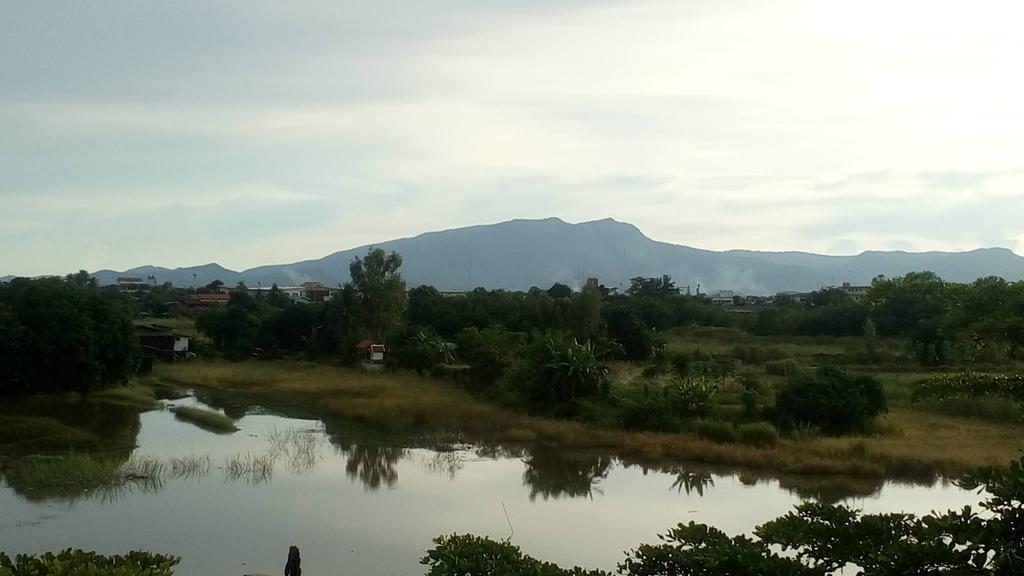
(249,133)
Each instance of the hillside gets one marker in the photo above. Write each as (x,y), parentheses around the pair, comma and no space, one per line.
(518,254)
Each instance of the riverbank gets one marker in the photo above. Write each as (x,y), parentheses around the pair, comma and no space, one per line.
(909,444)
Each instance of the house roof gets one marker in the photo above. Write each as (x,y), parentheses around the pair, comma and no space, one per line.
(364,344)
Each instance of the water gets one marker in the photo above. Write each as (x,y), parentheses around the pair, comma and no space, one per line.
(366,508)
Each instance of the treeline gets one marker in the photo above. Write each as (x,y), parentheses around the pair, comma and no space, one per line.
(59,335)
(941,322)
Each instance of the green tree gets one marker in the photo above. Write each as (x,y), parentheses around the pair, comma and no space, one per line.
(652,287)
(381,291)
(831,399)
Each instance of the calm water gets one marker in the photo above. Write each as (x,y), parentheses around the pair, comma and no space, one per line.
(236,502)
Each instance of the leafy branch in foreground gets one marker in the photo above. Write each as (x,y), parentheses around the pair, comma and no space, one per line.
(78,563)
(814,540)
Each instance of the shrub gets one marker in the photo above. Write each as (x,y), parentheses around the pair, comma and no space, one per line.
(717,431)
(831,399)
(758,434)
(467,555)
(79,563)
(785,368)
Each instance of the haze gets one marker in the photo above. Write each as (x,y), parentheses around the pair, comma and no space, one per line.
(258,132)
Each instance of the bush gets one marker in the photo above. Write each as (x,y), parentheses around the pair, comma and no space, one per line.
(785,368)
(831,399)
(79,563)
(469,555)
(721,432)
(758,434)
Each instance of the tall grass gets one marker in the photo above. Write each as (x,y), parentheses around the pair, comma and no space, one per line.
(922,445)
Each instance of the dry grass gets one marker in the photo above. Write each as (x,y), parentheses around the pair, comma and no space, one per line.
(912,445)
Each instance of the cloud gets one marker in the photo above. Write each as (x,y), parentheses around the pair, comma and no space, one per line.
(803,124)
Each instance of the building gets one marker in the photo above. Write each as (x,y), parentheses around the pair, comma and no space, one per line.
(724,297)
(316,292)
(304,293)
(208,300)
(856,293)
(370,355)
(162,342)
(130,285)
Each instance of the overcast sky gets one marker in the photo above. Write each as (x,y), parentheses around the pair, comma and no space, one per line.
(248,133)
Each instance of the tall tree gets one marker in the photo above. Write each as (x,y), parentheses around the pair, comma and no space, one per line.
(381,290)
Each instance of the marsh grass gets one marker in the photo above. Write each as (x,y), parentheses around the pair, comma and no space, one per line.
(252,469)
(190,467)
(70,472)
(140,397)
(25,435)
(916,445)
(205,419)
(299,449)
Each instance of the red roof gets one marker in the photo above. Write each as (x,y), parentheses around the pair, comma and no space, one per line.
(364,344)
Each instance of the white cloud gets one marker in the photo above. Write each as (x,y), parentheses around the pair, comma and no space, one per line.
(802,124)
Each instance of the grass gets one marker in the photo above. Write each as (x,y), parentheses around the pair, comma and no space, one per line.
(912,444)
(205,419)
(141,397)
(26,435)
(73,471)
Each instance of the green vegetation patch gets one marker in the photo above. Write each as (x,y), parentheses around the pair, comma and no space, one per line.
(70,472)
(141,397)
(24,435)
(205,419)
(79,563)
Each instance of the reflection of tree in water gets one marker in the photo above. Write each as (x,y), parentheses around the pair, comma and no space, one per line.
(831,489)
(446,463)
(692,481)
(553,474)
(374,466)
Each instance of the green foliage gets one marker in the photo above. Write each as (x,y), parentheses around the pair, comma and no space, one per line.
(758,434)
(831,399)
(652,287)
(814,540)
(699,550)
(424,352)
(381,291)
(490,353)
(58,336)
(785,368)
(78,563)
(565,369)
(629,329)
(467,555)
(717,431)
(667,408)
(972,385)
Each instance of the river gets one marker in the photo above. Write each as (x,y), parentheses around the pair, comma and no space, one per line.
(230,504)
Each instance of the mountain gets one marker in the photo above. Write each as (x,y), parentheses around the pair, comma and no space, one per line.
(518,254)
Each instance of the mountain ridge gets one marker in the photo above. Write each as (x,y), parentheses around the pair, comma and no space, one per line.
(517,254)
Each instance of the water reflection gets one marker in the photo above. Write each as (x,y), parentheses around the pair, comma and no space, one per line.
(374,466)
(692,481)
(555,474)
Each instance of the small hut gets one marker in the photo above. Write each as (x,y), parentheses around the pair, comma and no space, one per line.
(370,355)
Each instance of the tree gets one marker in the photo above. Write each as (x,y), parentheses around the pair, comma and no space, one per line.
(652,287)
(559,290)
(58,335)
(565,370)
(831,399)
(381,291)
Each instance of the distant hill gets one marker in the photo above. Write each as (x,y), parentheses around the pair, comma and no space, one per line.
(518,254)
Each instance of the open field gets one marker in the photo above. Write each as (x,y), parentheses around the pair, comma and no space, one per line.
(908,443)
